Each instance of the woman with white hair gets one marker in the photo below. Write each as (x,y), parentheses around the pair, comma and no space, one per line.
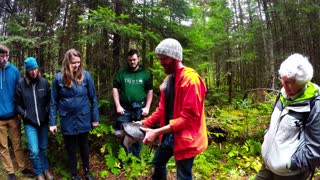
(290,149)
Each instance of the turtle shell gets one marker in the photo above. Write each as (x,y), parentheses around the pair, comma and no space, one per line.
(133,130)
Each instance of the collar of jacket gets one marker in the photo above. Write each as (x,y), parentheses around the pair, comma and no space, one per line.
(309,92)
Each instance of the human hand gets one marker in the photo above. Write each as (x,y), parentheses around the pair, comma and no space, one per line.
(95,124)
(120,110)
(151,135)
(138,122)
(145,111)
(53,129)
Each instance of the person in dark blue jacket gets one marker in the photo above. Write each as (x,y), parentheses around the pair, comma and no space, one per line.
(32,100)
(9,122)
(73,95)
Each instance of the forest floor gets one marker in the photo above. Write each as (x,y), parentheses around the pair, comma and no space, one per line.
(97,165)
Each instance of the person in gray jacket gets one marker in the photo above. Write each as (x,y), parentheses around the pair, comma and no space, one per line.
(32,100)
(290,149)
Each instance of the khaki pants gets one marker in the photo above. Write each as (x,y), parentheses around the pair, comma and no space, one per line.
(13,127)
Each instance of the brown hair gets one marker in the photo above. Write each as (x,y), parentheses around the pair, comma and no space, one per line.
(4,49)
(67,73)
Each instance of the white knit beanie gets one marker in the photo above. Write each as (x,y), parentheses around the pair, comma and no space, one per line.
(170,47)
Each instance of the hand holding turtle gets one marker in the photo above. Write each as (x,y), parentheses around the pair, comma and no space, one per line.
(95,124)
(120,110)
(151,135)
(53,129)
(138,122)
(145,111)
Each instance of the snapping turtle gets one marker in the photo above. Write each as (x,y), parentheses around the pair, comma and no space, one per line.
(130,133)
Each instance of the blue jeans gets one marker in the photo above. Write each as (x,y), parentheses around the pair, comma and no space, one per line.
(38,142)
(161,158)
(184,169)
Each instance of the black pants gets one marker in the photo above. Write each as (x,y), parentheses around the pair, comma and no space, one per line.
(72,142)
(266,174)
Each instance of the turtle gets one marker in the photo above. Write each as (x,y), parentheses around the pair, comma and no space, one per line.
(130,133)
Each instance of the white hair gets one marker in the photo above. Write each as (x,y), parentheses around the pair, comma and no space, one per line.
(297,67)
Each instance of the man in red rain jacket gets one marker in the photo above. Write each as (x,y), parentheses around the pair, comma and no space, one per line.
(180,113)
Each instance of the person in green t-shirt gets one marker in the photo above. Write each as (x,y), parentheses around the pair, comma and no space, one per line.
(132,93)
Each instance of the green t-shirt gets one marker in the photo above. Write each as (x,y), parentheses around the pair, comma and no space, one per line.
(132,85)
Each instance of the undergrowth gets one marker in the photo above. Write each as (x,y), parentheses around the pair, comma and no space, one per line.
(237,157)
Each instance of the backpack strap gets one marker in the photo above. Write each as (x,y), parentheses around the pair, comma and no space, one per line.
(277,99)
(307,114)
(312,102)
(274,106)
(304,122)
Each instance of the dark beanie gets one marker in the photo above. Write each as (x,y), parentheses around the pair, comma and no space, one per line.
(30,63)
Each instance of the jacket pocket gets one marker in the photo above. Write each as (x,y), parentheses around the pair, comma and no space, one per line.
(183,140)
(289,127)
(84,121)
(41,93)
(301,117)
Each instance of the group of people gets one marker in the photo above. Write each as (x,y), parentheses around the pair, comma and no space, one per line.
(291,145)
(179,115)
(72,96)
(9,123)
(290,149)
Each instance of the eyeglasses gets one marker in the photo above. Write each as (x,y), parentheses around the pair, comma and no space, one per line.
(288,84)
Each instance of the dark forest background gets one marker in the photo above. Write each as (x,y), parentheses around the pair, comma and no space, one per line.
(236,45)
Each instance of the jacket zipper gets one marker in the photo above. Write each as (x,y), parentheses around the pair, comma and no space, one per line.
(274,132)
(35,102)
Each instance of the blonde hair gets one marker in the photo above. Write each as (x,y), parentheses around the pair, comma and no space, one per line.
(67,73)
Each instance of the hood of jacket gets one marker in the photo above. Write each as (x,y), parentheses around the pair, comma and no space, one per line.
(9,77)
